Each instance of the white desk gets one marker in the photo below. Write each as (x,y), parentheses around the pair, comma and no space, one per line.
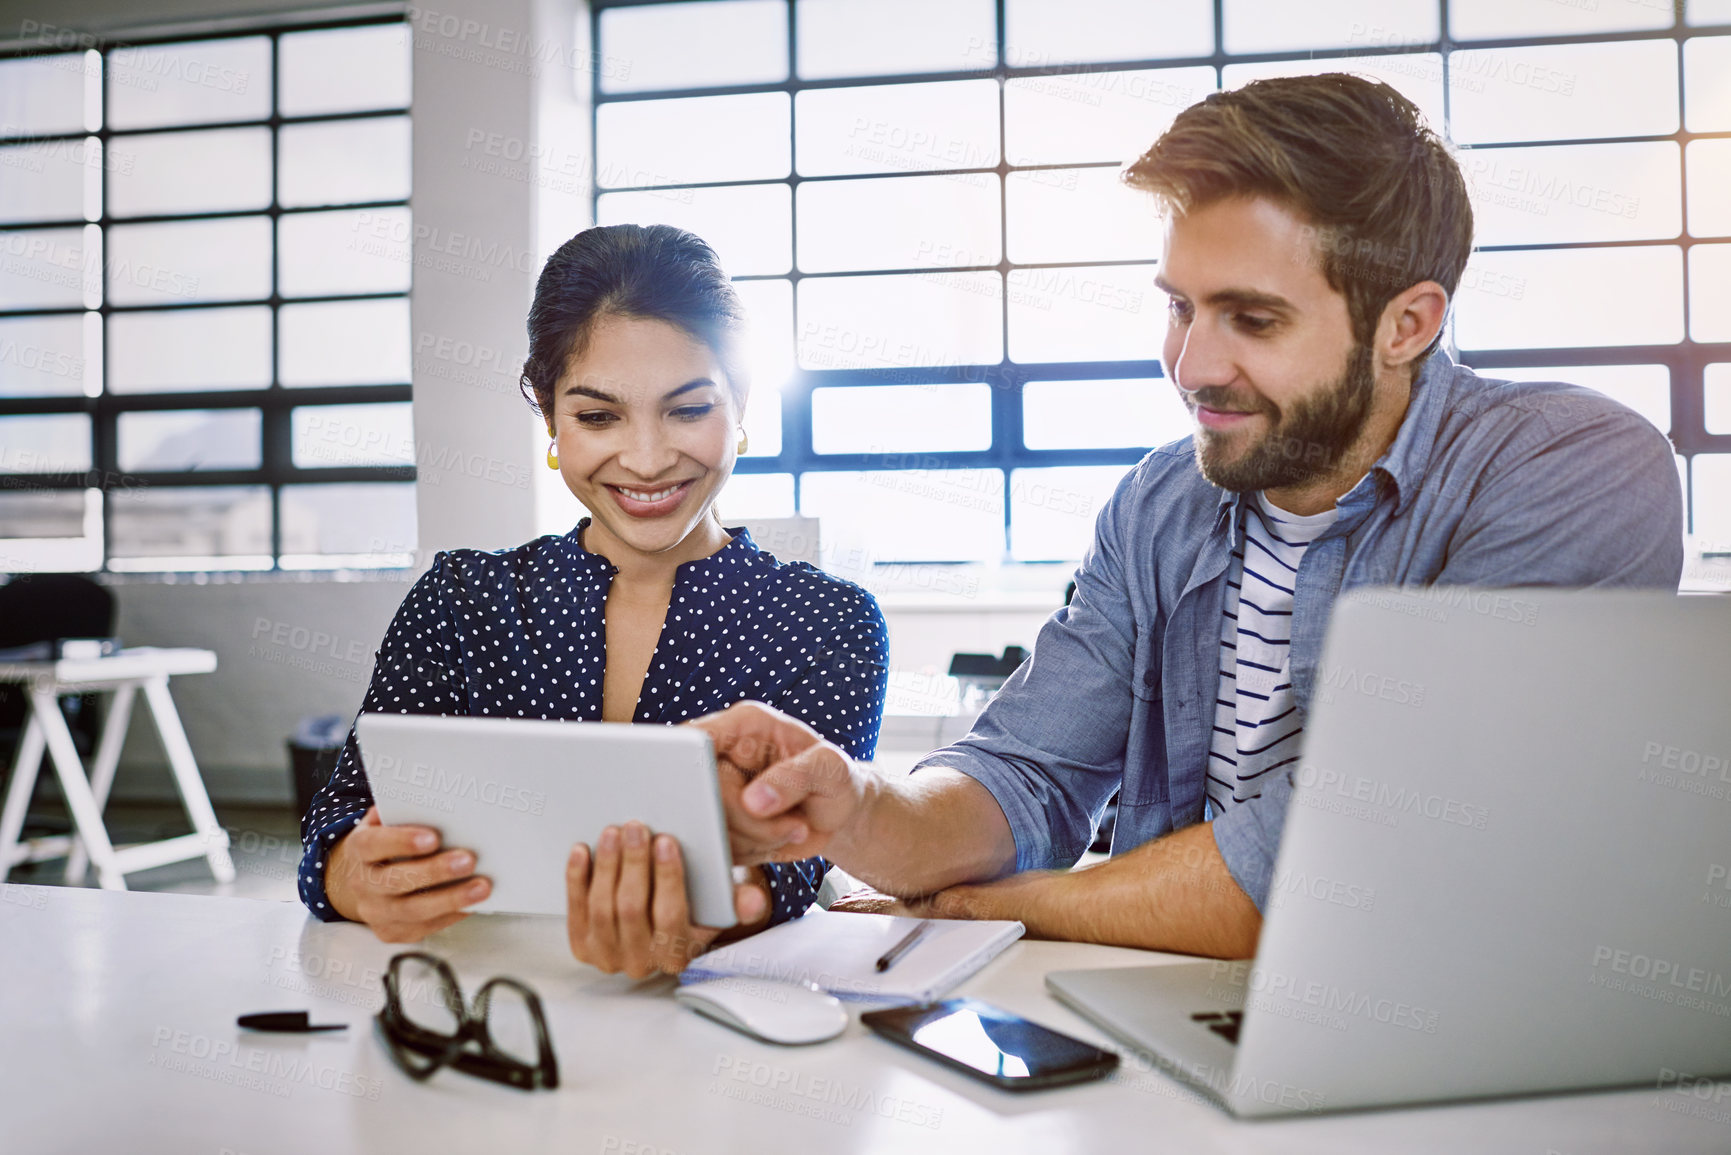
(118,1009)
(122,675)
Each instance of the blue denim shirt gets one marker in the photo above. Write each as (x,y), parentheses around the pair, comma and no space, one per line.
(1488,483)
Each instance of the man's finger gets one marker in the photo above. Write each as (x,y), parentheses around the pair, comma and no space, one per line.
(817,772)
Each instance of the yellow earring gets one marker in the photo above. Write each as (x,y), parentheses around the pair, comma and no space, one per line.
(744,443)
(552,456)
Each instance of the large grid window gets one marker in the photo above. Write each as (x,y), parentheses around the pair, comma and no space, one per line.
(204,315)
(956,322)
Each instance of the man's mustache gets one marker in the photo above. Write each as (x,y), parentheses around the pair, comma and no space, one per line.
(1224,400)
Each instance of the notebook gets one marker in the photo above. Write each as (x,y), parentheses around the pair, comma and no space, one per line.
(839,953)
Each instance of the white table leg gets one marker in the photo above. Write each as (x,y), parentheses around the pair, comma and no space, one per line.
(86,815)
(102,770)
(26,763)
(192,792)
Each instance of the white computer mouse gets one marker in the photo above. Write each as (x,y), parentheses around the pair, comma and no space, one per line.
(776,1012)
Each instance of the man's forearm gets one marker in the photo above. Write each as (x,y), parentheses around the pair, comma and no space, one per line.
(1173,894)
(924,832)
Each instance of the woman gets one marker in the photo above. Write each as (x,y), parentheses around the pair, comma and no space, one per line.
(648,611)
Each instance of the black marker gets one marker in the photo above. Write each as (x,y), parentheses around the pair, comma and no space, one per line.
(897,951)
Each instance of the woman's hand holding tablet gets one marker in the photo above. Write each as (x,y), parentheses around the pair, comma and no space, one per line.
(397,880)
(628,909)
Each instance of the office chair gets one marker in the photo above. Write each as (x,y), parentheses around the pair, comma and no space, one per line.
(43,607)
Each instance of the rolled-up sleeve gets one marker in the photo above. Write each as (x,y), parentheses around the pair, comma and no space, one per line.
(1050,746)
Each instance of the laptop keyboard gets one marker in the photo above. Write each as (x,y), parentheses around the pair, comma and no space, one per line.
(1222,1023)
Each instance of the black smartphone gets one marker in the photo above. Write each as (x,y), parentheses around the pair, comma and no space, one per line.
(990,1043)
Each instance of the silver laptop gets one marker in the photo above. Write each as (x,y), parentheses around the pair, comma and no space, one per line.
(1504,868)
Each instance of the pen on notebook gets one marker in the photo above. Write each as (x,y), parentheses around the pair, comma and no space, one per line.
(897,951)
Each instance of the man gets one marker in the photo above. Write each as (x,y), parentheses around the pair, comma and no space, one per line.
(1316,232)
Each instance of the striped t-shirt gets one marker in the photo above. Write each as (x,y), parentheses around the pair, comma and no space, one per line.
(1256,722)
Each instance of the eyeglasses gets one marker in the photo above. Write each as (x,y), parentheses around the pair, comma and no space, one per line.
(502,1037)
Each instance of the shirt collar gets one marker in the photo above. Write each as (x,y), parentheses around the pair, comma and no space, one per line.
(729,563)
(1403,463)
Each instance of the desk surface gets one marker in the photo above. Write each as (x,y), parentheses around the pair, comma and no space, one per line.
(127,665)
(117,1013)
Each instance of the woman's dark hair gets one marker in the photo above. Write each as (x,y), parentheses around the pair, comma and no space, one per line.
(648,272)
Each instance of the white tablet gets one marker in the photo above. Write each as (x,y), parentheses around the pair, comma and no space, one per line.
(521,793)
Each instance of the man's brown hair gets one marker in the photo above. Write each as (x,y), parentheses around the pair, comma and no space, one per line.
(1351,156)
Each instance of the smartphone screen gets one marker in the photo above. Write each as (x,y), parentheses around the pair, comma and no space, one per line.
(985,1041)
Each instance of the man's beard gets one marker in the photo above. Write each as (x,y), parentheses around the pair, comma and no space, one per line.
(1306,443)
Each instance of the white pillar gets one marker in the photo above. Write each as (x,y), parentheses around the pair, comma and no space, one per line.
(502,174)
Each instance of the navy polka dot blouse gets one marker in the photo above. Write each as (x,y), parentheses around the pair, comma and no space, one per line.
(520,633)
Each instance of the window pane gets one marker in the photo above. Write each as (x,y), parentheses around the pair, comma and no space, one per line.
(1707,83)
(326,436)
(1096,116)
(898,128)
(1507,19)
(1718,408)
(181,261)
(1280,26)
(189,349)
(190,527)
(345,343)
(1084,314)
(1709,165)
(1701,12)
(1710,490)
(878,37)
(45,443)
(719,138)
(179,439)
(43,94)
(344,161)
(1515,300)
(189,172)
(1710,292)
(43,356)
(1416,76)
(769,332)
(756,495)
(1079,214)
(356,520)
(1052,511)
(1644,388)
(901,419)
(664,46)
(45,181)
(345,69)
(194,82)
(356,251)
(911,514)
(1129,414)
(1563,91)
(900,322)
(749,226)
(44,513)
(47,269)
(1574,192)
(1039,32)
(899,223)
